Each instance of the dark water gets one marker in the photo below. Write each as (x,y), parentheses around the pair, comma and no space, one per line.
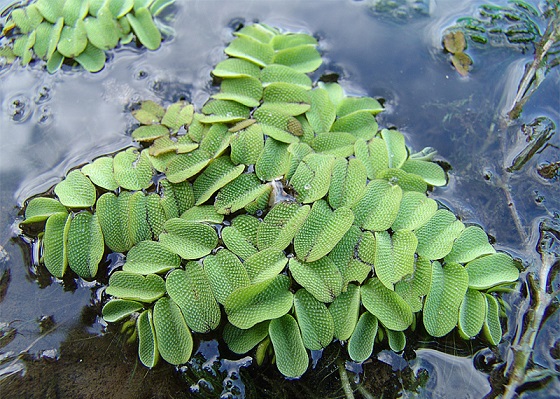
(52,123)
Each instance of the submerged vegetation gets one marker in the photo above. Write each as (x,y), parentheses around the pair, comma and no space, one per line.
(59,31)
(281,213)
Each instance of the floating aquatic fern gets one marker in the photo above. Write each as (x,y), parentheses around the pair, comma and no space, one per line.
(281,208)
(79,30)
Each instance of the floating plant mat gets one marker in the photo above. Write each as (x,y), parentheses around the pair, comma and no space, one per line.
(280,211)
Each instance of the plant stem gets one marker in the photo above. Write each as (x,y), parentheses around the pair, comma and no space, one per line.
(344,380)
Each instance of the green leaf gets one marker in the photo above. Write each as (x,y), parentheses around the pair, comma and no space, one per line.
(55,62)
(335,143)
(241,341)
(183,166)
(55,243)
(147,345)
(165,146)
(449,285)
(396,147)
(225,273)
(40,208)
(148,257)
(42,39)
(177,115)
(472,313)
(414,212)
(414,288)
(274,160)
(261,32)
(119,8)
(138,4)
(265,265)
(203,213)
(343,256)
(322,114)
(397,340)
(132,169)
(247,145)
(173,337)
(190,289)
(378,208)
(187,239)
(224,111)
(321,278)
(217,174)
(91,59)
(149,133)
(118,309)
(297,152)
(431,172)
(373,155)
(149,112)
(345,311)
(155,214)
(255,303)
(321,231)
(100,173)
(50,9)
(112,212)
(288,96)
(144,28)
(134,286)
(244,90)
(216,140)
(102,31)
(348,183)
(159,5)
(304,58)
(73,40)
(312,177)
(85,245)
(239,193)
(239,237)
(236,68)
(27,19)
(76,191)
(394,256)
(406,181)
(436,237)
(471,244)
(288,40)
(391,310)
(291,356)
(490,270)
(361,124)
(251,50)
(349,105)
(54,39)
(281,73)
(278,122)
(74,10)
(281,224)
(360,345)
(314,319)
(492,328)
(136,218)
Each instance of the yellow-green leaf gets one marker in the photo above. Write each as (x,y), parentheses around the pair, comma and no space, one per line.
(291,356)
(173,337)
(76,191)
(85,245)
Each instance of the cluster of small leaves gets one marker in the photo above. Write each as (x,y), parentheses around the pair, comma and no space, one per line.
(281,207)
(79,30)
(516,24)
(454,42)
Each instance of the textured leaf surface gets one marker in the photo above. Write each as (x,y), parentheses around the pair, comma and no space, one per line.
(118,309)
(178,115)
(321,231)
(394,256)
(100,173)
(281,73)
(291,356)
(281,224)
(396,147)
(237,242)
(436,237)
(373,155)
(335,143)
(265,265)
(413,289)
(247,145)
(173,337)
(187,239)
(304,58)
(431,172)
(492,328)
(251,50)
(55,243)
(149,112)
(287,95)
(274,160)
(147,345)
(244,90)
(145,29)
(314,319)
(406,181)
(354,104)
(184,166)
(345,311)
(102,30)
(203,213)
(348,183)
(471,244)
(134,286)
(378,208)
(112,212)
(224,111)
(239,193)
(133,170)
(216,175)
(360,345)
(361,124)
(149,257)
(255,303)
(236,68)
(225,274)
(386,305)
(76,191)
(490,270)
(242,341)
(149,132)
(190,289)
(322,113)
(73,40)
(415,211)
(449,285)
(472,313)
(91,59)
(85,245)
(40,208)
(397,340)
(312,177)
(321,278)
